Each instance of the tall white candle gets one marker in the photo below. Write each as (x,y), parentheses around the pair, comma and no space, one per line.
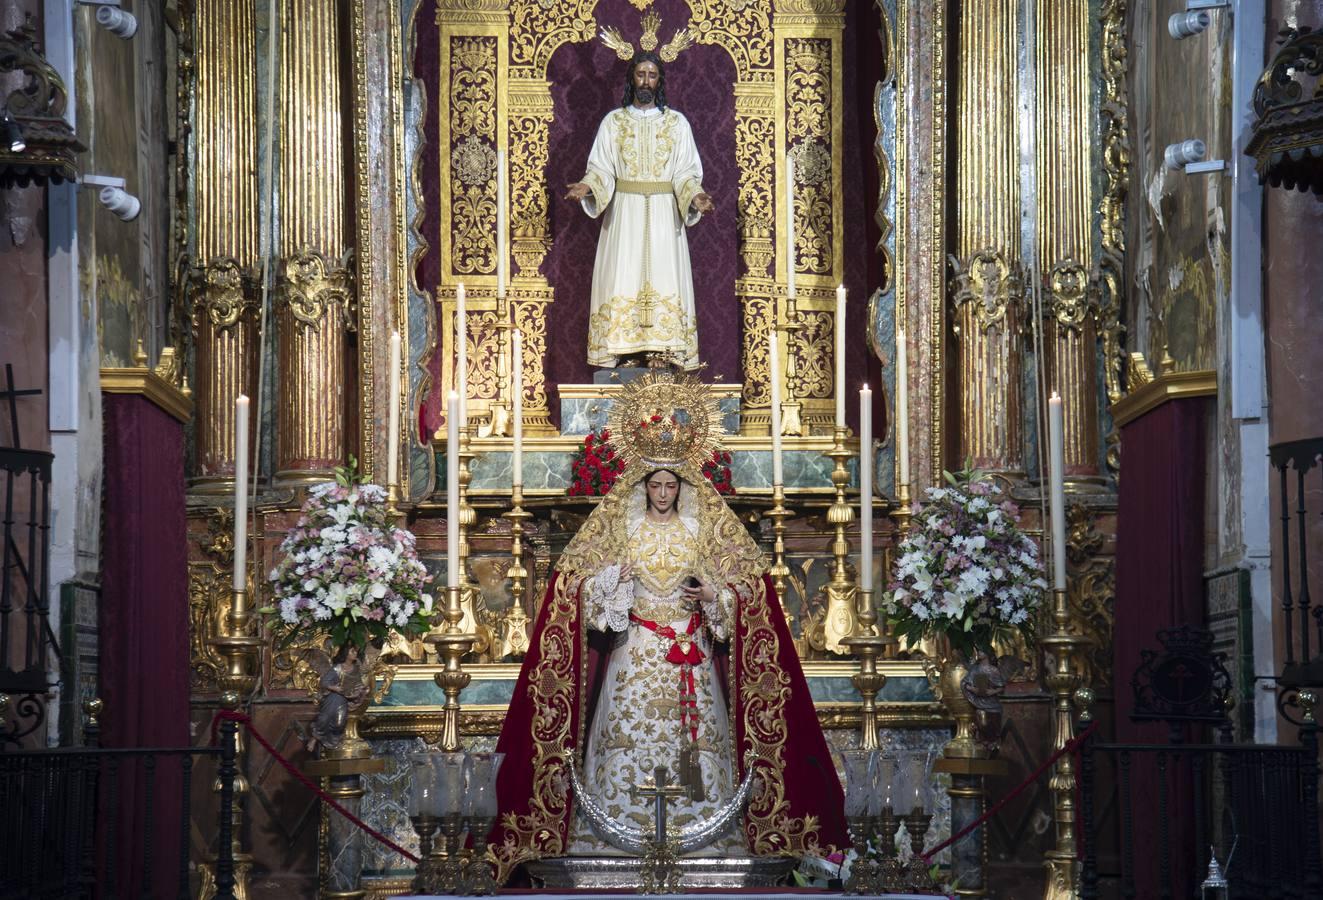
(790,226)
(240,580)
(865,489)
(502,224)
(462,355)
(1057,477)
(517,457)
(902,426)
(393,418)
(452,490)
(840,356)
(774,368)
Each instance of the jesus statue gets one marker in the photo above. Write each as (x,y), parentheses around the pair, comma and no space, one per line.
(644,176)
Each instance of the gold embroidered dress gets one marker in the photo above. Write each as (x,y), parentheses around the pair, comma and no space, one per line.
(644,173)
(640,722)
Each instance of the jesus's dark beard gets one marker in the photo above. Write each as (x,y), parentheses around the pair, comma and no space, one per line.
(643,95)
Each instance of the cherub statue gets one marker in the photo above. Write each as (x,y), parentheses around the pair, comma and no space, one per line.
(983,686)
(342,687)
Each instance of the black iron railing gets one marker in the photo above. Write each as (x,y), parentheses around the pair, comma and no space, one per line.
(1255,803)
(1302,658)
(63,828)
(25,632)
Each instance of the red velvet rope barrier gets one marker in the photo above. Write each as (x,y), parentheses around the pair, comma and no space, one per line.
(1072,746)
(236,716)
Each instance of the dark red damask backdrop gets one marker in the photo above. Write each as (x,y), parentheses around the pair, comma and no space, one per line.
(587,81)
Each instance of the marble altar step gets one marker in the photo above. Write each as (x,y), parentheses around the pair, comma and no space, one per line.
(585,407)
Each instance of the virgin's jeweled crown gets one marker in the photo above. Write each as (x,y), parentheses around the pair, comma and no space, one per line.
(666,420)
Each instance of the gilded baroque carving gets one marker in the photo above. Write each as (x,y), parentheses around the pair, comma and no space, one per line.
(743,29)
(531,319)
(473,135)
(537,28)
(1072,296)
(529,201)
(808,137)
(755,138)
(314,287)
(813,354)
(1116,166)
(988,280)
(1092,592)
(222,292)
(758,316)
(209,587)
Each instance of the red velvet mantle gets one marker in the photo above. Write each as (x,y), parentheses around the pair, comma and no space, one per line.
(801,808)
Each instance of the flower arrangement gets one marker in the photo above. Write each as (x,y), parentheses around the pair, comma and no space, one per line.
(717,471)
(595,466)
(966,570)
(347,570)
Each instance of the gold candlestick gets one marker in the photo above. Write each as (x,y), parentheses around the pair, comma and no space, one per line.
(792,419)
(239,648)
(468,517)
(868,645)
(841,621)
(778,514)
(517,514)
(451,645)
(1062,681)
(498,423)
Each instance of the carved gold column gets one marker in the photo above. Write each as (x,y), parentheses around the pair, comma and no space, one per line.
(986,283)
(1063,167)
(222,287)
(314,286)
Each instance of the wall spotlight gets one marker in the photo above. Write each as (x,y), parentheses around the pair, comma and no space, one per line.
(121,203)
(113,196)
(13,135)
(1187,24)
(1178,156)
(118,22)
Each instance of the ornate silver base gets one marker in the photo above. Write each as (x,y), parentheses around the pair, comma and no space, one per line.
(624,872)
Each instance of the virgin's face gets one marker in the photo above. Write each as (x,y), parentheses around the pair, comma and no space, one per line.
(663,487)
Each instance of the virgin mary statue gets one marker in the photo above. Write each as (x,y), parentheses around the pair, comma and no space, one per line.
(661,642)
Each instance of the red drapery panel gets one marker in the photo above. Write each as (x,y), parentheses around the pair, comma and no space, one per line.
(1159,584)
(144,633)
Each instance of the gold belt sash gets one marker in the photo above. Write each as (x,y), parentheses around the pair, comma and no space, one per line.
(644,187)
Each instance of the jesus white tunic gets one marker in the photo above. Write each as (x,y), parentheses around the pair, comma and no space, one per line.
(644,173)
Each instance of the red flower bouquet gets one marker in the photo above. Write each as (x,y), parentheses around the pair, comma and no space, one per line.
(717,471)
(595,466)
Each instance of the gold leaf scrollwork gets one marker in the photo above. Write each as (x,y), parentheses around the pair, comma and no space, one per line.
(314,288)
(538,27)
(813,354)
(1092,592)
(1071,295)
(1115,115)
(808,132)
(209,597)
(758,316)
(473,162)
(744,29)
(755,136)
(529,200)
(988,280)
(473,155)
(222,292)
(531,319)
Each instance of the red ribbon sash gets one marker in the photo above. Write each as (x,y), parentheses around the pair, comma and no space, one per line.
(684,652)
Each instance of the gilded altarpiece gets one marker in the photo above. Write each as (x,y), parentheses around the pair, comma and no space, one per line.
(491,81)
